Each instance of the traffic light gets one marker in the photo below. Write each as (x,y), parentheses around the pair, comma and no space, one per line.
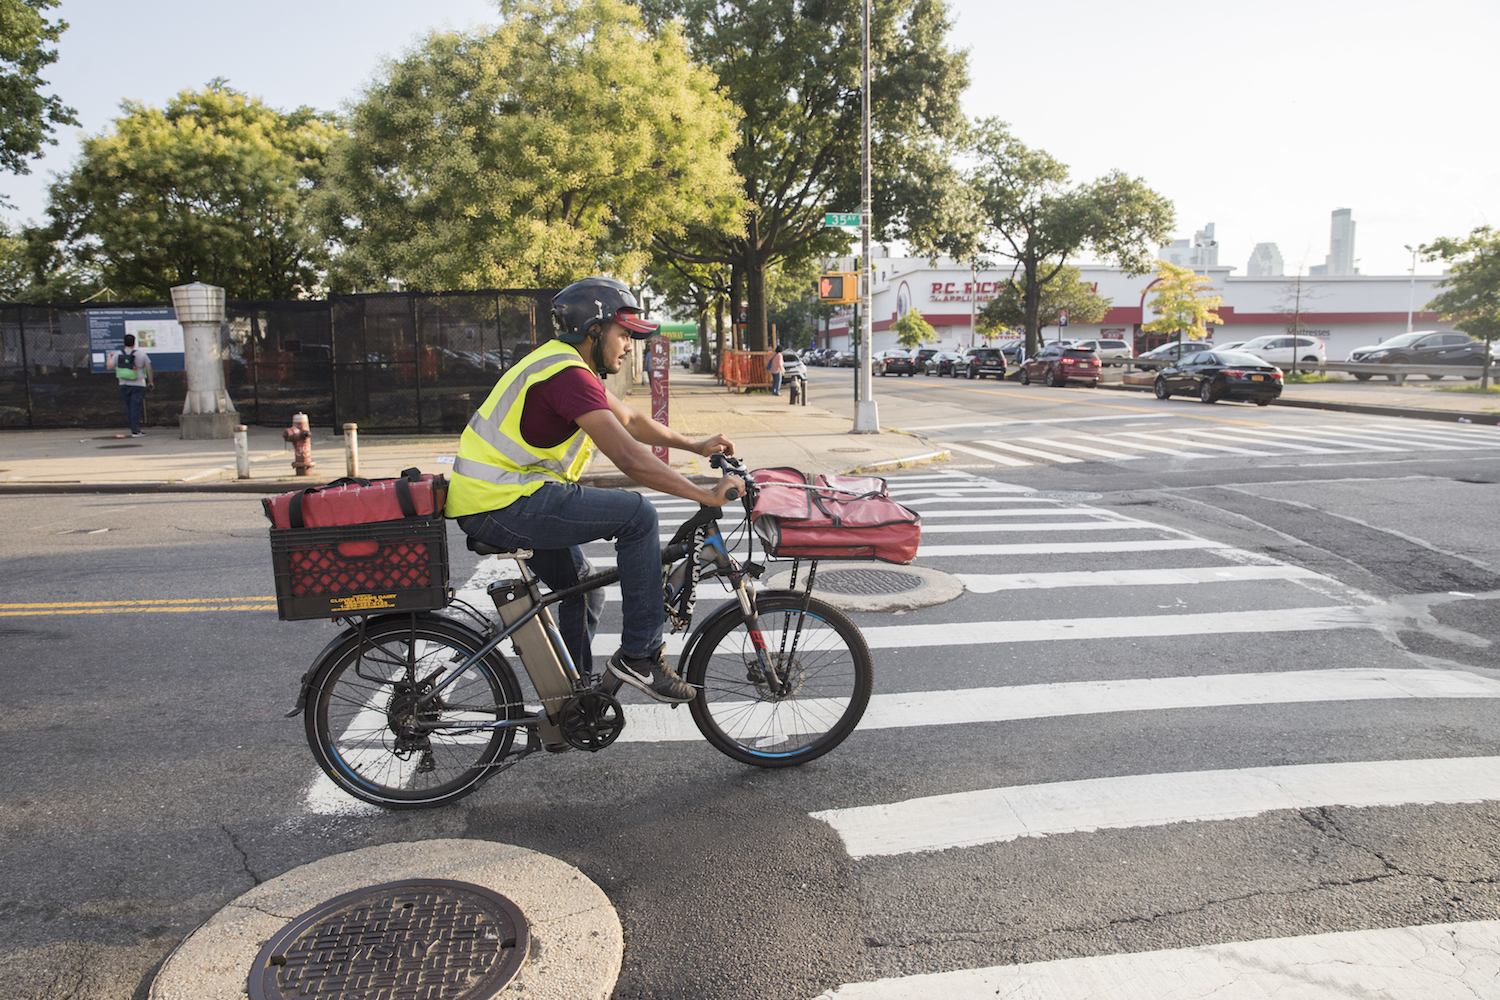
(840,288)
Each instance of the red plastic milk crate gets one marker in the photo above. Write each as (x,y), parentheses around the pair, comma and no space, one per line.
(360,569)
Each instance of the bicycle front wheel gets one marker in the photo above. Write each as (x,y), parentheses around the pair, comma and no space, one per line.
(377,735)
(820,652)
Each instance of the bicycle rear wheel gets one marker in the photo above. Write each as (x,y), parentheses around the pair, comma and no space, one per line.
(369,734)
(822,653)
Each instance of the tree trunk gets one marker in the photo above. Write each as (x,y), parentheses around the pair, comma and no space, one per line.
(719,328)
(736,296)
(1031,305)
(755,294)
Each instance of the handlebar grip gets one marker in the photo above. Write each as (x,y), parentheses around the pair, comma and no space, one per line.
(733,494)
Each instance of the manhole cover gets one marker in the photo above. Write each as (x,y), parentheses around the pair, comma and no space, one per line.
(429,938)
(864,581)
(1072,496)
(850,450)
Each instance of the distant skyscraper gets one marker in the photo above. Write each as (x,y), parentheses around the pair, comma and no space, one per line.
(1201,251)
(1340,259)
(1265,262)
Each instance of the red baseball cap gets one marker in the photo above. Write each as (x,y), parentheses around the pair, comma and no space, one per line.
(639,328)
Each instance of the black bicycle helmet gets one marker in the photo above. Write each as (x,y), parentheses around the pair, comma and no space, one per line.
(588,306)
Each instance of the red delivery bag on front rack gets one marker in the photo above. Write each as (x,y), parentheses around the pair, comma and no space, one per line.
(817,516)
(360,501)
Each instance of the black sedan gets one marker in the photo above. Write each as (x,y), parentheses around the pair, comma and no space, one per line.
(1216,375)
(897,362)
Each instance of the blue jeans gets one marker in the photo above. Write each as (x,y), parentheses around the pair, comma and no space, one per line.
(776,383)
(135,405)
(553,522)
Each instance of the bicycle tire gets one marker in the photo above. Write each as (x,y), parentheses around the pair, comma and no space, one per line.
(833,677)
(354,703)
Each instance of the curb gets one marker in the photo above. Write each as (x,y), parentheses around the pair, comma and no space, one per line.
(1373,409)
(901,463)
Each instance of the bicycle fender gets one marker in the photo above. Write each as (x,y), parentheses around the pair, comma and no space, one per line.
(729,607)
(343,637)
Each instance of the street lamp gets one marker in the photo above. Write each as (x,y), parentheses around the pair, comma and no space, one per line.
(1411,299)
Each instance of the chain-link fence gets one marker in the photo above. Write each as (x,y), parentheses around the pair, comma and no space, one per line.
(389,362)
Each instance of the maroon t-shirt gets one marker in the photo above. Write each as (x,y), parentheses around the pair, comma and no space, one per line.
(550,412)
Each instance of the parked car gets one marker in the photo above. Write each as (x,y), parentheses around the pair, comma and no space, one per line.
(1215,375)
(1059,364)
(1171,353)
(942,363)
(848,359)
(977,362)
(1233,345)
(896,362)
(1279,350)
(1110,351)
(1423,347)
(792,366)
(922,355)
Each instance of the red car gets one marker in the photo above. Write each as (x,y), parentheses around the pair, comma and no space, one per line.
(1059,364)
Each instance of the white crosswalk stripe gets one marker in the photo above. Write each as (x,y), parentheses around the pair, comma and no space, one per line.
(995,815)
(1434,962)
(1186,439)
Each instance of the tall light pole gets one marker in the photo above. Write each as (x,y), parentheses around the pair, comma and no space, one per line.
(866,417)
(1411,298)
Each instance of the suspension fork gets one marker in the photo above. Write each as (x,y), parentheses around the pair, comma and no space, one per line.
(750,614)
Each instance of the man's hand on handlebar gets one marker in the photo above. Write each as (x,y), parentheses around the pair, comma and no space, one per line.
(717,443)
(728,488)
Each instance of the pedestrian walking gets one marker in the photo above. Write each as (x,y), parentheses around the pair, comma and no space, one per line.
(777,367)
(132,368)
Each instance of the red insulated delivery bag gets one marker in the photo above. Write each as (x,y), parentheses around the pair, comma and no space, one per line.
(360,501)
(816,516)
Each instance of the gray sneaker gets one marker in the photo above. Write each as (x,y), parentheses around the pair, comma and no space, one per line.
(652,675)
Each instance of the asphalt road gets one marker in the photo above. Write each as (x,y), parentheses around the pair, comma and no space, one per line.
(150,775)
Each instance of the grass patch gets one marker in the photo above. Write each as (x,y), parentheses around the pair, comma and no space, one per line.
(1308,378)
(1493,390)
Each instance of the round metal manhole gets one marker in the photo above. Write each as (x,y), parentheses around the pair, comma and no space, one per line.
(868,582)
(430,938)
(1072,496)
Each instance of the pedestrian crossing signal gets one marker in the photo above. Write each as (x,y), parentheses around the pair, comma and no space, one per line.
(839,288)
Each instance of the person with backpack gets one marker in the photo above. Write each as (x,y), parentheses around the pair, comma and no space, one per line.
(132,368)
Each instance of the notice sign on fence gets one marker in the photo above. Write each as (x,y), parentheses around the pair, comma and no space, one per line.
(659,363)
(156,331)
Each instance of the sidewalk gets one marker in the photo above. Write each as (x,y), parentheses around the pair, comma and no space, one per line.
(765,429)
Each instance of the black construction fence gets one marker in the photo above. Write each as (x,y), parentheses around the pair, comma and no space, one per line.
(390,362)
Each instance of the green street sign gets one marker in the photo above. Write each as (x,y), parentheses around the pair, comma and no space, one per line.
(841,219)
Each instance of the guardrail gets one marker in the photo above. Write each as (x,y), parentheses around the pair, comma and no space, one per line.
(1396,373)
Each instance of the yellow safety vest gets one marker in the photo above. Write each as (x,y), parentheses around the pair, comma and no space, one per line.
(495,466)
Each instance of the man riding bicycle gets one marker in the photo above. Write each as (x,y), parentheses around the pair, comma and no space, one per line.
(515,478)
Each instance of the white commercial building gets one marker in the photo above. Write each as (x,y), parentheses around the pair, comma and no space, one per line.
(1345,311)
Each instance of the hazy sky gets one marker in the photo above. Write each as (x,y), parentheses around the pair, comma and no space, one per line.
(1262,119)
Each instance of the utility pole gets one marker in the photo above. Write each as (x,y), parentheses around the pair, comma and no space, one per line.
(866,416)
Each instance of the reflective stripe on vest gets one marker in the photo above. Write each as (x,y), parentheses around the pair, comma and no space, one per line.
(495,466)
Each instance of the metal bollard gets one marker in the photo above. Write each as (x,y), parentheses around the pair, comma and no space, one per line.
(242,451)
(351,450)
(300,436)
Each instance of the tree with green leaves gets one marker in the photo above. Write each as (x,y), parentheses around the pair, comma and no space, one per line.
(214,188)
(1039,221)
(1180,304)
(792,67)
(549,148)
(913,330)
(700,291)
(1068,290)
(27,116)
(1471,286)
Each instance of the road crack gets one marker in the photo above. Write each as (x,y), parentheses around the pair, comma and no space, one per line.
(234,842)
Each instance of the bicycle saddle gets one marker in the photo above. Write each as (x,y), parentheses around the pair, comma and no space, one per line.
(475,545)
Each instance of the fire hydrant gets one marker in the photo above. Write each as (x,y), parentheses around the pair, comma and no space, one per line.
(300,436)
